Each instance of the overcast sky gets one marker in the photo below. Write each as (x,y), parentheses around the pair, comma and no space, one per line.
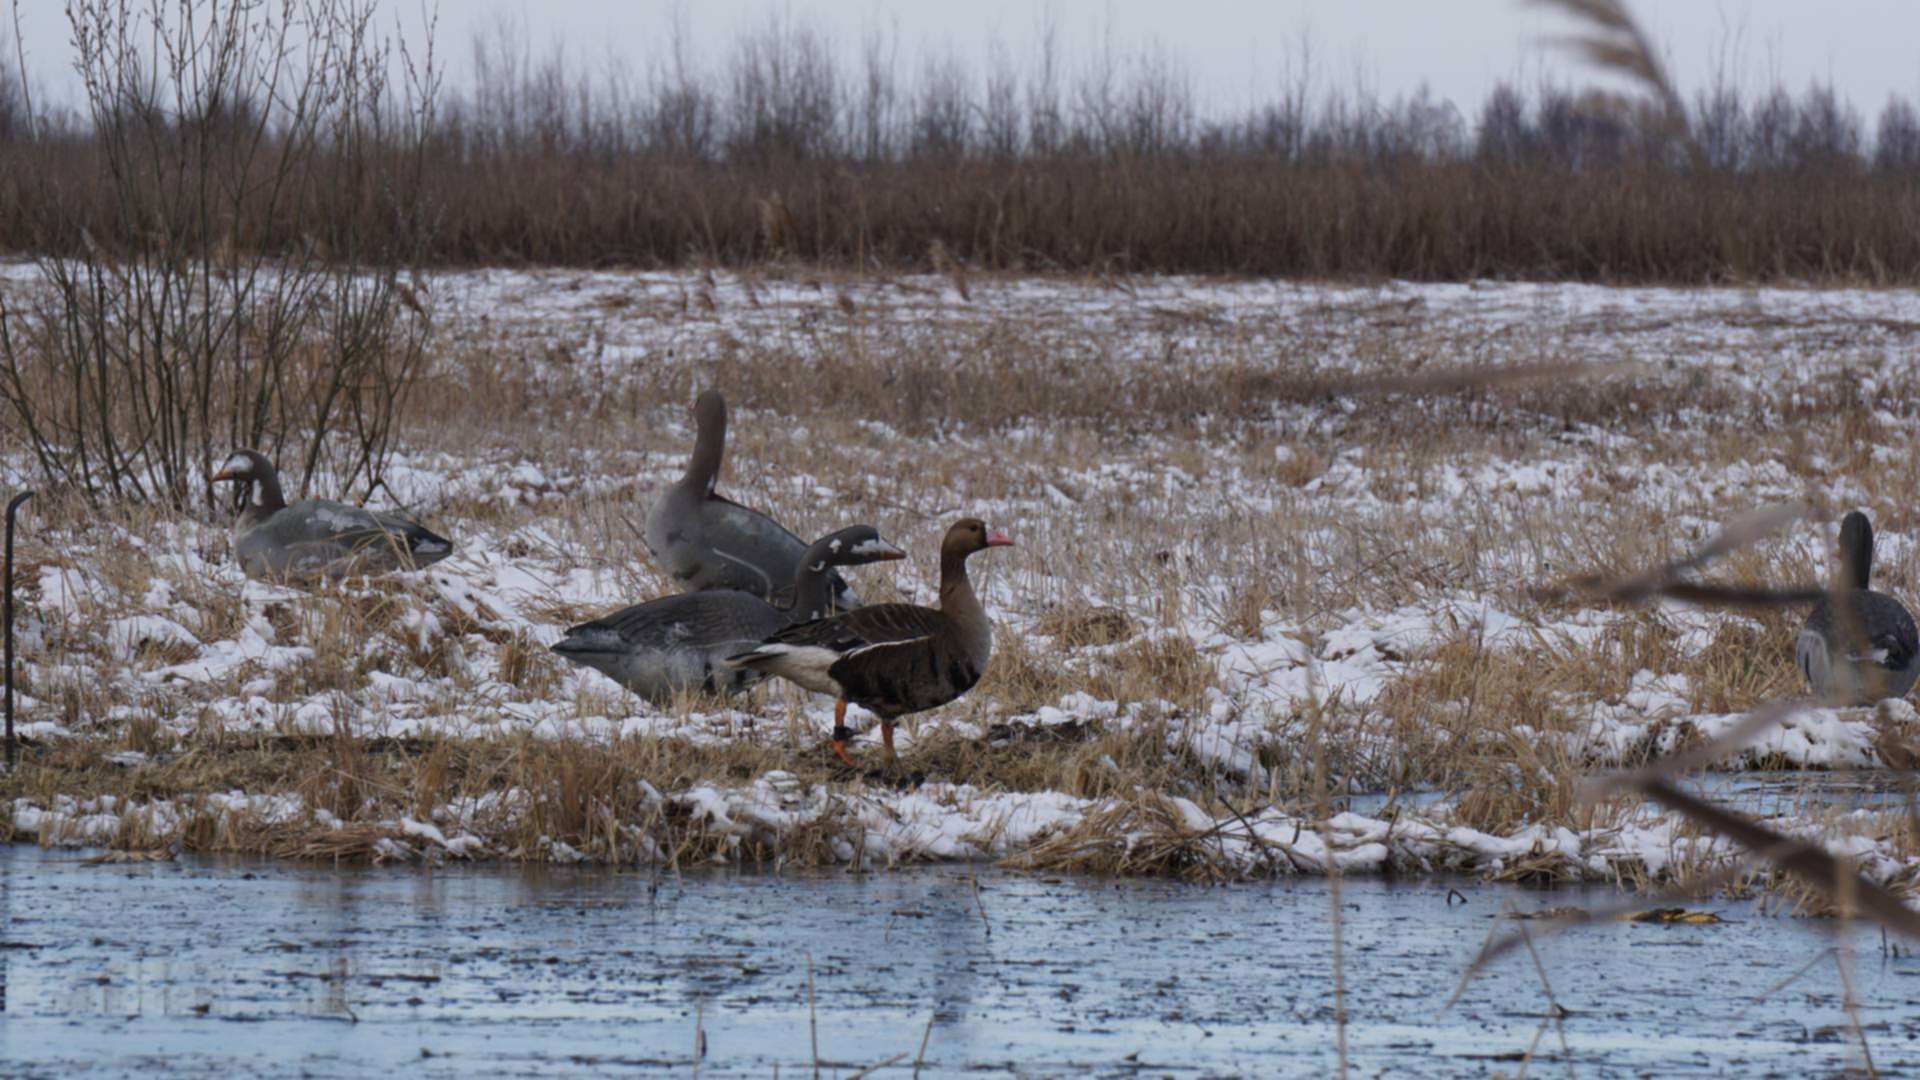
(1868,48)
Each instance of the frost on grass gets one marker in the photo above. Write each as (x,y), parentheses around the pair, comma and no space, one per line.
(1256,624)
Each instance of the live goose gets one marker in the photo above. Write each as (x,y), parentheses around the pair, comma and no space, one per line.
(704,540)
(892,659)
(316,538)
(680,643)
(1860,645)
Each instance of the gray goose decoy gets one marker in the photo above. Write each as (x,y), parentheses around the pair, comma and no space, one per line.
(316,538)
(892,659)
(680,642)
(1858,646)
(706,541)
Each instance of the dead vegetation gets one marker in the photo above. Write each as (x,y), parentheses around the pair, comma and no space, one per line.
(1173,569)
(802,149)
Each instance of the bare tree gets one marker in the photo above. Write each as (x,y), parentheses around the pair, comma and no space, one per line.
(680,116)
(1896,145)
(1000,119)
(942,110)
(1046,126)
(878,95)
(1826,131)
(784,94)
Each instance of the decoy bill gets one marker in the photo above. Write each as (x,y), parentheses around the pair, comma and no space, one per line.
(680,643)
(892,659)
(704,540)
(318,538)
(1858,646)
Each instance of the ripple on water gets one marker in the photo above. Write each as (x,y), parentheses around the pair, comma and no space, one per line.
(224,966)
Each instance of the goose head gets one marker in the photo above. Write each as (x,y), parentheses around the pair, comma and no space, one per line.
(255,474)
(969,535)
(855,545)
(243,466)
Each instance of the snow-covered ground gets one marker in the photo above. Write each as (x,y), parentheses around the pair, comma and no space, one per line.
(1350,571)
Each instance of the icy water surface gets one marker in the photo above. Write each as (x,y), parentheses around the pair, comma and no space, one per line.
(1758,792)
(209,966)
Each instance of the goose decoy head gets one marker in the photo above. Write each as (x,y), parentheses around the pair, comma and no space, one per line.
(858,545)
(969,535)
(243,466)
(258,480)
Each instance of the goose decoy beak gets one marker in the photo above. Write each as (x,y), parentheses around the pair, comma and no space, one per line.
(998,538)
(236,467)
(879,551)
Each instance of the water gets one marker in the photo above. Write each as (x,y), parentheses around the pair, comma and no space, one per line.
(1763,794)
(224,966)
(1796,793)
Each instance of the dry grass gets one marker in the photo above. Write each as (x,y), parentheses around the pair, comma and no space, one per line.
(1164,546)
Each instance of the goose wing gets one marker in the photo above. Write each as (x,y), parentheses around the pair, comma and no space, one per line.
(685,619)
(752,552)
(863,630)
(315,534)
(1868,654)
(1882,630)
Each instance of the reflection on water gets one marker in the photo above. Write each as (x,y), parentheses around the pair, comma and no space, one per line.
(1798,793)
(1794,793)
(210,965)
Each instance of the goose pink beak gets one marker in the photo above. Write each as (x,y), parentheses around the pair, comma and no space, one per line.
(997,538)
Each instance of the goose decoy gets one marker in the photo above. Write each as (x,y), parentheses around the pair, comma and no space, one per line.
(891,659)
(1858,646)
(316,538)
(706,541)
(680,642)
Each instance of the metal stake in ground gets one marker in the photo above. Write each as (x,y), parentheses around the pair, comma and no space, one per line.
(6,617)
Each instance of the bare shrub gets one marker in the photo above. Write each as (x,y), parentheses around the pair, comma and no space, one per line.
(230,275)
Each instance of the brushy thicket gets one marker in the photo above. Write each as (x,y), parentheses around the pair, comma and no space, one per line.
(184,305)
(790,146)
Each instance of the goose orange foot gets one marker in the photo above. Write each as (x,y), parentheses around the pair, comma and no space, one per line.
(841,733)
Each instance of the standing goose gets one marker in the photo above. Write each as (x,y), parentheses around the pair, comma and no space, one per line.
(892,659)
(316,538)
(680,642)
(1859,646)
(706,541)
